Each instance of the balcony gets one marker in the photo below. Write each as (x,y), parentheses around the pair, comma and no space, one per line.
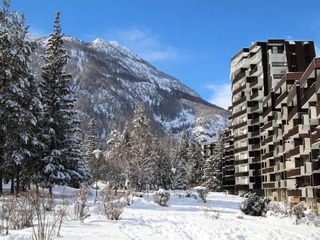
(257,83)
(281,99)
(266,126)
(276,57)
(297,131)
(308,96)
(267,170)
(293,173)
(243,63)
(294,152)
(268,140)
(240,100)
(256,58)
(315,136)
(240,113)
(240,149)
(267,155)
(257,95)
(240,137)
(268,185)
(256,71)
(294,193)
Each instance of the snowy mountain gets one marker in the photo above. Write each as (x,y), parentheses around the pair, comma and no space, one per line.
(110,79)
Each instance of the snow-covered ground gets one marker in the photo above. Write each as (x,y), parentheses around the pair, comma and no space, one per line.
(184,218)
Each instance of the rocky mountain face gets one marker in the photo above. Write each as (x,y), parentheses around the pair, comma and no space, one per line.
(110,80)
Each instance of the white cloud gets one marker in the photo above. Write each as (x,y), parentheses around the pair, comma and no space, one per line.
(145,43)
(221,95)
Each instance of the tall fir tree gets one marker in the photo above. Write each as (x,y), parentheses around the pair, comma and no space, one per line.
(213,169)
(62,160)
(181,175)
(91,143)
(142,150)
(18,99)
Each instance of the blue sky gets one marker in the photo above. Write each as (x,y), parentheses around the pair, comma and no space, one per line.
(192,40)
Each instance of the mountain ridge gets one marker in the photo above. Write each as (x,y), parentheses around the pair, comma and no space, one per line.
(110,80)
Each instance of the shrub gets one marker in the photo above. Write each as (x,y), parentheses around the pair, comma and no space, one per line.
(297,211)
(202,193)
(254,205)
(161,197)
(113,204)
(81,210)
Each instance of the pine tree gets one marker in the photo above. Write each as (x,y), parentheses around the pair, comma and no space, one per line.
(180,171)
(91,143)
(195,161)
(141,148)
(62,160)
(18,99)
(213,169)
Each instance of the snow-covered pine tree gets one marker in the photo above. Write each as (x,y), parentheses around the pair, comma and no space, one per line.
(195,160)
(114,171)
(181,176)
(62,161)
(213,169)
(18,99)
(142,148)
(91,143)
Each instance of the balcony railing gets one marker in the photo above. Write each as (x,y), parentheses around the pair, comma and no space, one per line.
(315,136)
(267,185)
(293,173)
(294,193)
(267,170)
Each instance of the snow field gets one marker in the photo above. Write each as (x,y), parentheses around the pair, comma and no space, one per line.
(184,219)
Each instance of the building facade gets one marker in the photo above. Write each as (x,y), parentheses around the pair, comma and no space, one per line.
(254,73)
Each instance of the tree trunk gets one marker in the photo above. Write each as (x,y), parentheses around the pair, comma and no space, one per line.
(1,186)
(12,184)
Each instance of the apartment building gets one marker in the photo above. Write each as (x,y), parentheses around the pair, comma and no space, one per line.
(255,72)
(292,172)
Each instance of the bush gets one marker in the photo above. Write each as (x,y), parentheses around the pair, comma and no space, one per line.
(161,197)
(254,205)
(113,204)
(297,211)
(81,210)
(202,193)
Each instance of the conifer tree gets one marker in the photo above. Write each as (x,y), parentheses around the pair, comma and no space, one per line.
(179,165)
(91,143)
(62,160)
(142,151)
(213,169)
(18,99)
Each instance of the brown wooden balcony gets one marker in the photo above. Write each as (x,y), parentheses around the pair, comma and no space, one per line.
(315,136)
(267,140)
(239,125)
(241,100)
(267,170)
(281,98)
(294,193)
(241,149)
(266,126)
(267,185)
(293,173)
(239,77)
(255,95)
(308,94)
(240,137)
(239,113)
